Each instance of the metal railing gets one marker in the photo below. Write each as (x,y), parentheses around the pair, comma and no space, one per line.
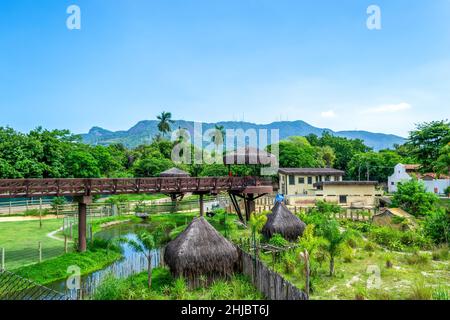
(15,287)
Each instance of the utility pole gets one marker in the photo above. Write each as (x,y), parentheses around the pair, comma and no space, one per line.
(359,172)
(368,175)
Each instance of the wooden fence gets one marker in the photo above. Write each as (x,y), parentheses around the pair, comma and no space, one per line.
(268,282)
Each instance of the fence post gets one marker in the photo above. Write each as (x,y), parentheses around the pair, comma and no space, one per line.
(3,260)
(65,244)
(40,212)
(40,251)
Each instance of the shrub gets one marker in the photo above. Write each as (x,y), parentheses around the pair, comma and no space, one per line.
(419,291)
(35,212)
(440,253)
(437,226)
(347,254)
(389,260)
(277,240)
(289,263)
(369,246)
(440,294)
(394,239)
(416,259)
(413,197)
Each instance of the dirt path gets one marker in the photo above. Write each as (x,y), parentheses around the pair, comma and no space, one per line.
(28,218)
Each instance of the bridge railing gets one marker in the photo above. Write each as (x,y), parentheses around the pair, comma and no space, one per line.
(16,188)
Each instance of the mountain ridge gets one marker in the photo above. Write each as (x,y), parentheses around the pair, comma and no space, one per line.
(144,130)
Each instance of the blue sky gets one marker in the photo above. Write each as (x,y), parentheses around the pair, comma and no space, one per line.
(212,60)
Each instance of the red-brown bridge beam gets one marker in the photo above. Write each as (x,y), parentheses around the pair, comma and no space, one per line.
(82,218)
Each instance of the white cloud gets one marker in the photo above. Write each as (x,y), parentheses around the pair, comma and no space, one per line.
(328,114)
(388,108)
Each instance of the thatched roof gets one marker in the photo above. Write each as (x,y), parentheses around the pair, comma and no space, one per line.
(201,250)
(249,155)
(174,172)
(282,221)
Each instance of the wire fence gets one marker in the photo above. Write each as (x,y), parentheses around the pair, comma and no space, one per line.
(14,287)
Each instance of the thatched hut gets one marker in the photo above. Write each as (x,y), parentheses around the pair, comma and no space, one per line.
(201,250)
(282,221)
(174,172)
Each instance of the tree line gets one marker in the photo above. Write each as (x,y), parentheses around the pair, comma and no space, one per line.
(45,153)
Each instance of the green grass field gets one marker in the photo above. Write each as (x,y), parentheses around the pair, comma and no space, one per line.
(20,239)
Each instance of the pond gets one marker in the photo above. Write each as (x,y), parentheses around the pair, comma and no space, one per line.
(132,262)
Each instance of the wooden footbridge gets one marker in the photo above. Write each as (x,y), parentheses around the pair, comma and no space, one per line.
(247,188)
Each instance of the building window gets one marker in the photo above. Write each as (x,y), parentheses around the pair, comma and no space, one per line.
(291,180)
(392,183)
(301,180)
(310,180)
(327,178)
(342,199)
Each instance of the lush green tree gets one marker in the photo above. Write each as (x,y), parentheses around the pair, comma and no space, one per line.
(165,119)
(344,148)
(442,164)
(297,152)
(81,164)
(327,155)
(413,197)
(151,167)
(376,166)
(427,141)
(437,225)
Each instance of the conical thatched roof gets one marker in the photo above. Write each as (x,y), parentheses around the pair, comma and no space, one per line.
(282,221)
(174,172)
(200,250)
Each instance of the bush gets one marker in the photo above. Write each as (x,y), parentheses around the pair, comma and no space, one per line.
(440,253)
(437,226)
(347,254)
(413,197)
(388,258)
(440,294)
(416,259)
(394,239)
(277,240)
(421,292)
(369,246)
(289,263)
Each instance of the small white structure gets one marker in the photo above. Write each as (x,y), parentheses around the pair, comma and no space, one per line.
(405,172)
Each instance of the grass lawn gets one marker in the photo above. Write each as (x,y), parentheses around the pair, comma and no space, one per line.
(20,240)
(165,287)
(56,268)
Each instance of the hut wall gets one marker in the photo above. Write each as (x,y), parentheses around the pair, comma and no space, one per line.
(268,282)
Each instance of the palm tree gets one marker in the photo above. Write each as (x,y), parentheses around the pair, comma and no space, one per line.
(165,119)
(145,244)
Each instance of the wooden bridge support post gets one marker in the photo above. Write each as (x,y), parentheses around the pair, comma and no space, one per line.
(82,217)
(202,213)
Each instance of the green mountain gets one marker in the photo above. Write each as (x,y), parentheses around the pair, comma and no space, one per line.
(144,131)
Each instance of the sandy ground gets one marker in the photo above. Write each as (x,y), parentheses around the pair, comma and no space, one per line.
(29,218)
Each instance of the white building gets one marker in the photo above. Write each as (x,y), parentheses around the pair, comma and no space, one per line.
(405,172)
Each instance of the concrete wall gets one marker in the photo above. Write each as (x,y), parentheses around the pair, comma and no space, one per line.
(305,188)
(437,186)
(399,175)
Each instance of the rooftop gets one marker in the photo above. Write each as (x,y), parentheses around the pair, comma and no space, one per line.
(312,171)
(345,183)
